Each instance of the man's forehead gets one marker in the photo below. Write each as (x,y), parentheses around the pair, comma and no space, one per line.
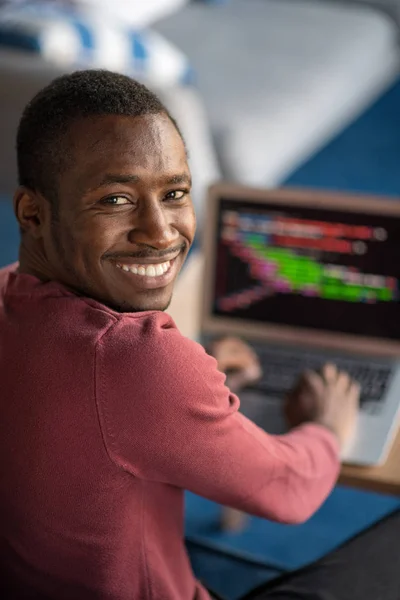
(117,146)
(132,134)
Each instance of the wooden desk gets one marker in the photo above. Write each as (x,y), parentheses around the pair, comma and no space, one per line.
(385,479)
(185,310)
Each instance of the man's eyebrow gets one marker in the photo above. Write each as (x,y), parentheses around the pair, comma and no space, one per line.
(111,178)
(177,179)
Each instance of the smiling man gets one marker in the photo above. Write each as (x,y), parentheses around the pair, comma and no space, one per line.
(104,231)
(107,413)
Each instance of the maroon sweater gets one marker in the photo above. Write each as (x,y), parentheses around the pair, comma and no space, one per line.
(105,419)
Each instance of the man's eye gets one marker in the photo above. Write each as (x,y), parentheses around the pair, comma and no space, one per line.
(116,200)
(176,195)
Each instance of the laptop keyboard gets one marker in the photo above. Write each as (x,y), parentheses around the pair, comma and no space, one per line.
(281,368)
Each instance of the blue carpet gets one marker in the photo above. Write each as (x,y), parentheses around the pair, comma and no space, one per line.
(364,158)
(345,513)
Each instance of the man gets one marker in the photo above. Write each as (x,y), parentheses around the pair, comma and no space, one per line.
(107,412)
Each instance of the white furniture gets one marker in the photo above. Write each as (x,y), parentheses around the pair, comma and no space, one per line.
(281,77)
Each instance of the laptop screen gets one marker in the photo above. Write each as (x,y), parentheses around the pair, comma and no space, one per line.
(308,267)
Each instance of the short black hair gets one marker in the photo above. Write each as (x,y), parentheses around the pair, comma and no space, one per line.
(41,149)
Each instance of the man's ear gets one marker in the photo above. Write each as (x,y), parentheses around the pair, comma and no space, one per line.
(31,211)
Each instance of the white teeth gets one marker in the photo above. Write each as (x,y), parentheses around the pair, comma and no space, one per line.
(148,270)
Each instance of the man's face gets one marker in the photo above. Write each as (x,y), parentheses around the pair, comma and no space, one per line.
(125,217)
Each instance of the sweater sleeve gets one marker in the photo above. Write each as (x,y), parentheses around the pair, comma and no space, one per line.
(167,416)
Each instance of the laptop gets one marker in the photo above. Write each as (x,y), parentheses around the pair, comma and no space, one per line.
(309,277)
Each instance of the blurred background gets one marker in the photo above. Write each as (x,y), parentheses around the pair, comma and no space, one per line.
(267,93)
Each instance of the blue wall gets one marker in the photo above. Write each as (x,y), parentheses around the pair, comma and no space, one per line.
(9,235)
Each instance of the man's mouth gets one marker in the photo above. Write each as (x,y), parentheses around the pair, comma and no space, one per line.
(145,270)
(149,274)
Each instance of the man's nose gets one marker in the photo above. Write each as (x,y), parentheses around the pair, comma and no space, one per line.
(154,227)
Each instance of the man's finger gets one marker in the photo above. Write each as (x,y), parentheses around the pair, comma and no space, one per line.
(241,378)
(313,380)
(329,372)
(355,390)
(343,381)
(242,362)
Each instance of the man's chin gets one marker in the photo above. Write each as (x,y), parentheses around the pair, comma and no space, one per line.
(149,308)
(143,305)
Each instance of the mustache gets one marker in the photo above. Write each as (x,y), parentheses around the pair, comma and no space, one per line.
(147,253)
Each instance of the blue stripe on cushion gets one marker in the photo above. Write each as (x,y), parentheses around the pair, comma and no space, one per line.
(18,39)
(139,50)
(188,77)
(85,34)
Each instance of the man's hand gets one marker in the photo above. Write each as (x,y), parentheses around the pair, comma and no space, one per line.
(330,399)
(237,360)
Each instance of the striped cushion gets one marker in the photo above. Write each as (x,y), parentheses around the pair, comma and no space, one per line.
(72,40)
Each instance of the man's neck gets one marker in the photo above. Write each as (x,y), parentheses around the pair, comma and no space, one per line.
(32,261)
